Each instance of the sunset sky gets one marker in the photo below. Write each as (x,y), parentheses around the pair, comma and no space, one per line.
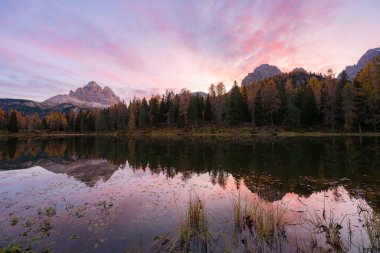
(143,47)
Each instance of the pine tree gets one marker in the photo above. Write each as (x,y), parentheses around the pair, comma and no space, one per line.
(305,101)
(259,110)
(193,110)
(246,114)
(349,109)
(13,124)
(252,90)
(292,113)
(143,118)
(207,114)
(132,115)
(235,106)
(329,100)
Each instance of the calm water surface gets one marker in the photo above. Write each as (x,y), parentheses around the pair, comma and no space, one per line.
(93,194)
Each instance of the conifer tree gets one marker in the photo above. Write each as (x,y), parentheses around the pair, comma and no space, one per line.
(13,124)
(207,114)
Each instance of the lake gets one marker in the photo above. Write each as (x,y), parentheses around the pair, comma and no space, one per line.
(108,194)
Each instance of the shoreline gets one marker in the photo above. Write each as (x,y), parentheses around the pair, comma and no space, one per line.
(202,132)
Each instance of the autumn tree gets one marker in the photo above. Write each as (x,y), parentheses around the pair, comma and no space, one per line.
(56,121)
(292,113)
(132,115)
(328,100)
(217,94)
(252,90)
(369,79)
(3,119)
(33,122)
(316,87)
(349,106)
(184,104)
(271,98)
(219,105)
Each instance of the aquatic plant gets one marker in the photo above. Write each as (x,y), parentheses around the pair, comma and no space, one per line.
(264,223)
(238,212)
(105,206)
(372,227)
(48,212)
(14,221)
(193,234)
(330,227)
(12,248)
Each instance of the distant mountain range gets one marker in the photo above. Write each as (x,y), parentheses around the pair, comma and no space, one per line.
(90,96)
(265,71)
(262,72)
(353,70)
(87,97)
(93,96)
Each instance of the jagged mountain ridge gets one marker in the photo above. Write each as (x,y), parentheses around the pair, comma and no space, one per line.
(94,96)
(22,105)
(260,73)
(353,70)
(265,71)
(89,96)
(28,107)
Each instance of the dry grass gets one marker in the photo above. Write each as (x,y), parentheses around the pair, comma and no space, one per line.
(264,224)
(372,228)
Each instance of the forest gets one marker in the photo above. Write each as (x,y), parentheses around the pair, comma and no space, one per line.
(292,101)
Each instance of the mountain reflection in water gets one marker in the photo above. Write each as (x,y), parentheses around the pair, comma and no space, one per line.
(299,165)
(128,188)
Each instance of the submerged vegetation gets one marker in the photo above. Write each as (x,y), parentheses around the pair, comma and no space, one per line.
(193,232)
(259,226)
(372,227)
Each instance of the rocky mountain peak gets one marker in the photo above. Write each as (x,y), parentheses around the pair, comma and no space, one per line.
(91,96)
(260,73)
(353,70)
(93,86)
(302,70)
(107,90)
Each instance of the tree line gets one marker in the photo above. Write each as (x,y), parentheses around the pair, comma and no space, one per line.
(295,100)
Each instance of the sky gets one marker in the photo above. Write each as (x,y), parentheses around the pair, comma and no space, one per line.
(141,47)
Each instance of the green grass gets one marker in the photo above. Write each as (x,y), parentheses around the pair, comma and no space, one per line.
(12,248)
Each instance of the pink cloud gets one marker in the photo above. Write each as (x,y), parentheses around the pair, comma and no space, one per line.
(141,45)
